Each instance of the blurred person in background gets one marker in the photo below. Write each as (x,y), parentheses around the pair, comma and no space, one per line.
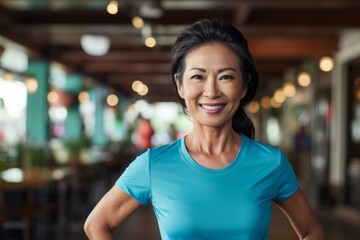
(143,133)
(216,182)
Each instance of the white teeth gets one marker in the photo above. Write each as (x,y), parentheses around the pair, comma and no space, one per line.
(212,107)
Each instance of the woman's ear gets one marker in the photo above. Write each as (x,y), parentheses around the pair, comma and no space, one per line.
(179,86)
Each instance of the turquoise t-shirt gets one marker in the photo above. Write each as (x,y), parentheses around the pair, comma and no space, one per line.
(194,202)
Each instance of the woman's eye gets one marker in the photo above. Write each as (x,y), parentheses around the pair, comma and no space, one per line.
(226,77)
(196,77)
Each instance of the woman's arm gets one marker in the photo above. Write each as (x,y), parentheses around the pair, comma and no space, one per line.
(110,212)
(301,216)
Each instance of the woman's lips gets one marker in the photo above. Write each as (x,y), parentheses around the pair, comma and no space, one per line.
(212,108)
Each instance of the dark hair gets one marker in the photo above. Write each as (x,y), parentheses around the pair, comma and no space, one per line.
(215,31)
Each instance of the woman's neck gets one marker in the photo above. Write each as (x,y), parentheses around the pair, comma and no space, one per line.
(212,140)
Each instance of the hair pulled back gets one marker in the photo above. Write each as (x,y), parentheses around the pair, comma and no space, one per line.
(214,31)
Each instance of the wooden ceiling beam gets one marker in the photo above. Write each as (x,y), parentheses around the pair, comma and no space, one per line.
(129,68)
(292,47)
(314,17)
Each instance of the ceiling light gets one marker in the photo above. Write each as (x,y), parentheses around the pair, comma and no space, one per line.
(144,90)
(279,96)
(326,64)
(135,85)
(289,89)
(112,7)
(265,102)
(112,100)
(150,42)
(31,84)
(8,76)
(83,97)
(253,107)
(95,45)
(137,22)
(304,79)
(150,10)
(274,103)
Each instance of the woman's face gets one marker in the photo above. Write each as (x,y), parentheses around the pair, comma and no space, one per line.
(212,85)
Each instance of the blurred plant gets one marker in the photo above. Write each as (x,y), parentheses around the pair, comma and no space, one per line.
(75,145)
(32,155)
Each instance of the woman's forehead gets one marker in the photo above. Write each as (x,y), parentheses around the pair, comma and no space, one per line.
(211,54)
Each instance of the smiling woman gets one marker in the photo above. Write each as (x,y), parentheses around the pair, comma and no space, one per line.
(212,85)
(216,182)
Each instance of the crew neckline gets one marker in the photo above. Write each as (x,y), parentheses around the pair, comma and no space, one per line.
(196,166)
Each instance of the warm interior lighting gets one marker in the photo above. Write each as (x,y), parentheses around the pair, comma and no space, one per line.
(31,84)
(135,85)
(326,64)
(83,97)
(137,22)
(304,79)
(112,100)
(253,107)
(52,97)
(279,96)
(95,45)
(112,7)
(357,82)
(8,76)
(150,42)
(357,95)
(140,88)
(144,90)
(289,89)
(265,103)
(274,103)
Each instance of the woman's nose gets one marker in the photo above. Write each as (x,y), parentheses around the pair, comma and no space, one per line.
(211,88)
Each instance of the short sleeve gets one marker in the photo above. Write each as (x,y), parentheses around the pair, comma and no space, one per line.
(135,180)
(287,182)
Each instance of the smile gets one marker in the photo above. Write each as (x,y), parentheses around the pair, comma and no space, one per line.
(212,107)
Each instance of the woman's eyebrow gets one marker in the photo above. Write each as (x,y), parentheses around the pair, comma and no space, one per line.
(226,69)
(219,71)
(197,69)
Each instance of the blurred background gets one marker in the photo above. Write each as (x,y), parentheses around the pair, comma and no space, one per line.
(85,86)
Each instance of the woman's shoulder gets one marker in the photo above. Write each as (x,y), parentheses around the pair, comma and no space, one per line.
(259,145)
(169,149)
(263,150)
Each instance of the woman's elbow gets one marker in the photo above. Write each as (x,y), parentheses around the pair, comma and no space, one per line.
(88,227)
(316,233)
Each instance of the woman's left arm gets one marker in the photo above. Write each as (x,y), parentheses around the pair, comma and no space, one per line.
(301,217)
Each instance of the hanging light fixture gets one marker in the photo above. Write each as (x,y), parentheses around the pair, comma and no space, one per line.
(112,7)
(31,84)
(265,102)
(151,10)
(304,79)
(147,35)
(137,22)
(326,64)
(112,100)
(95,45)
(150,42)
(289,89)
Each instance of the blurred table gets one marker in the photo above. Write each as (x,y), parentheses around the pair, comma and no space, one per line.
(30,180)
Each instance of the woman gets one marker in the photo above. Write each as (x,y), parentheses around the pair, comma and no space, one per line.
(216,182)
